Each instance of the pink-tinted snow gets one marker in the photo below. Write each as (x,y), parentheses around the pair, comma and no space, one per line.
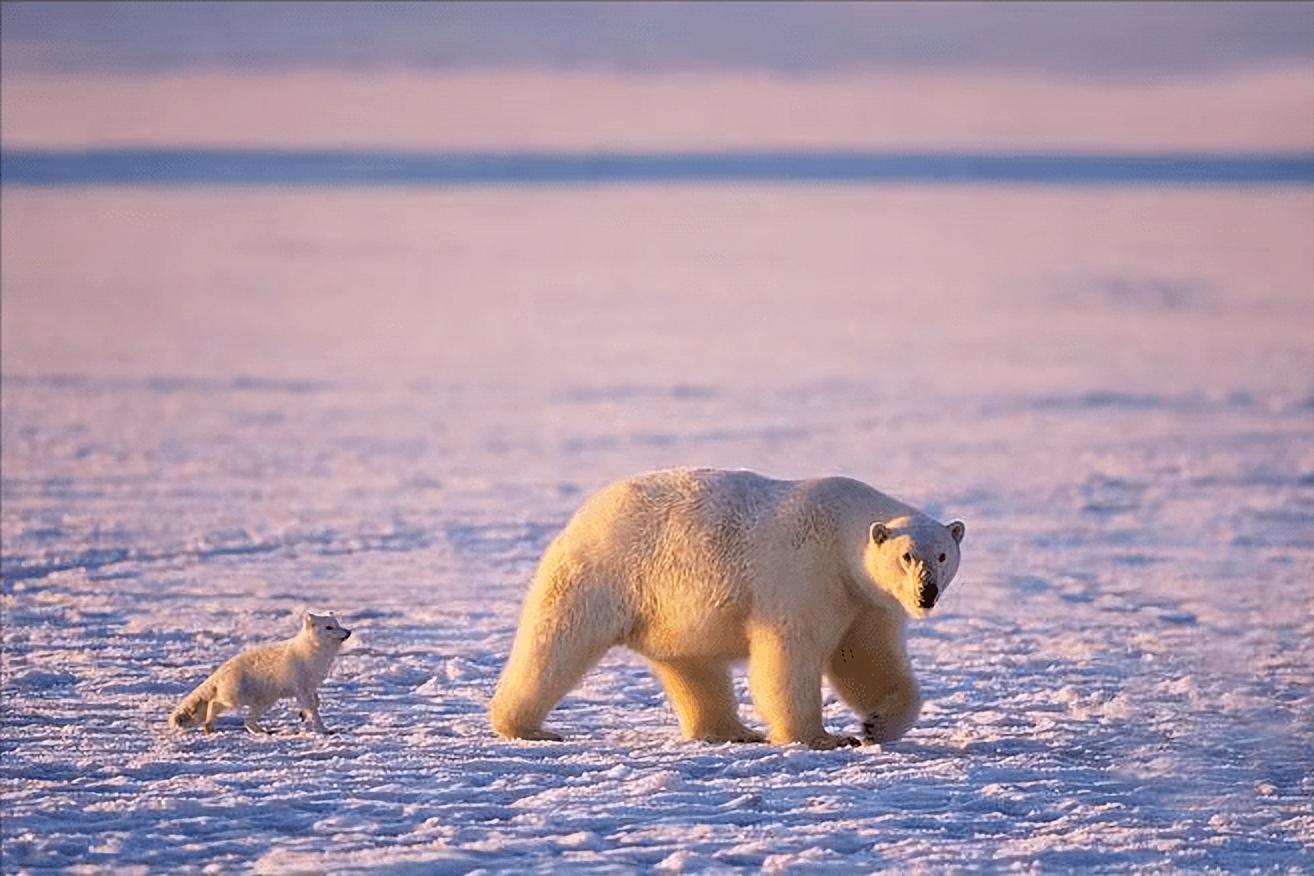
(222,407)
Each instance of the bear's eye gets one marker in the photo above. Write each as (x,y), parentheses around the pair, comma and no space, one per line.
(907,556)
(942,558)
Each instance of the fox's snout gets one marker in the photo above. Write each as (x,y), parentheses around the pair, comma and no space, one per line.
(183,720)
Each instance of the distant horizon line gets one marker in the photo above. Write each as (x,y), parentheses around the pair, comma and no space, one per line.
(301,167)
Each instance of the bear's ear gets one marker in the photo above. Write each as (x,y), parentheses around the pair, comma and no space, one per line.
(956,531)
(879,533)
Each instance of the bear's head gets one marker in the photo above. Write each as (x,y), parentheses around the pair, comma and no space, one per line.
(913,559)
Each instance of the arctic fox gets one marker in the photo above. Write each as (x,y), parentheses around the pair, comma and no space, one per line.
(262,676)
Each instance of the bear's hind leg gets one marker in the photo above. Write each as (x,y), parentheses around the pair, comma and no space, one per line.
(871,672)
(563,632)
(703,698)
(534,682)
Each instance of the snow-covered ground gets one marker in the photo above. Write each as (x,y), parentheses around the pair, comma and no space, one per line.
(222,407)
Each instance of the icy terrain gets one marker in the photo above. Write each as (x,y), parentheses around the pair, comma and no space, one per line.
(220,408)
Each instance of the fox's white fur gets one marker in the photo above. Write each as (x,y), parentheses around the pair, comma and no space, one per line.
(697,568)
(262,676)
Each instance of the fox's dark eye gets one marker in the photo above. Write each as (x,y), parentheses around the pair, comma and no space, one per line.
(942,558)
(907,556)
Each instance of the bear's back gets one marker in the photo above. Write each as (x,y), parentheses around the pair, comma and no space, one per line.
(709,523)
(704,500)
(727,507)
(678,527)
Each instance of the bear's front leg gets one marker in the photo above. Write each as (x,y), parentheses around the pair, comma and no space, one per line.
(784,675)
(871,672)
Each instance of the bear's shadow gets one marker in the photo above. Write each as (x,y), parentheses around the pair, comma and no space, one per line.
(994,748)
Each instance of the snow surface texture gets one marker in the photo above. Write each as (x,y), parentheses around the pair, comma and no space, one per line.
(220,408)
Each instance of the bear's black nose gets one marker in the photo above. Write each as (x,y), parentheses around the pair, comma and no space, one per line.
(929,593)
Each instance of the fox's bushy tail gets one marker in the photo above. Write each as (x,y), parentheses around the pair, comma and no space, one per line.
(191,711)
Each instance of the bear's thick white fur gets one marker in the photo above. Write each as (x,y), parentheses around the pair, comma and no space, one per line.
(697,568)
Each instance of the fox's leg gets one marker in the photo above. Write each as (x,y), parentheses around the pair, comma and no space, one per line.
(309,702)
(253,713)
(212,710)
(303,713)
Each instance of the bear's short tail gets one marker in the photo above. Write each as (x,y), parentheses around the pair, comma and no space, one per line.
(191,711)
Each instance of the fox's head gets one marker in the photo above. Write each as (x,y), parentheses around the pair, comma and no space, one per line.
(325,629)
(188,715)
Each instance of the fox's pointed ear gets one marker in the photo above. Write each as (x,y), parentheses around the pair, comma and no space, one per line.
(957,530)
(879,533)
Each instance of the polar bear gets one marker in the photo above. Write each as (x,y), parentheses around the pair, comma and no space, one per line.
(697,568)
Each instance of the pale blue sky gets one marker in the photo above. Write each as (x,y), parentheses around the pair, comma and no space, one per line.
(1090,39)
